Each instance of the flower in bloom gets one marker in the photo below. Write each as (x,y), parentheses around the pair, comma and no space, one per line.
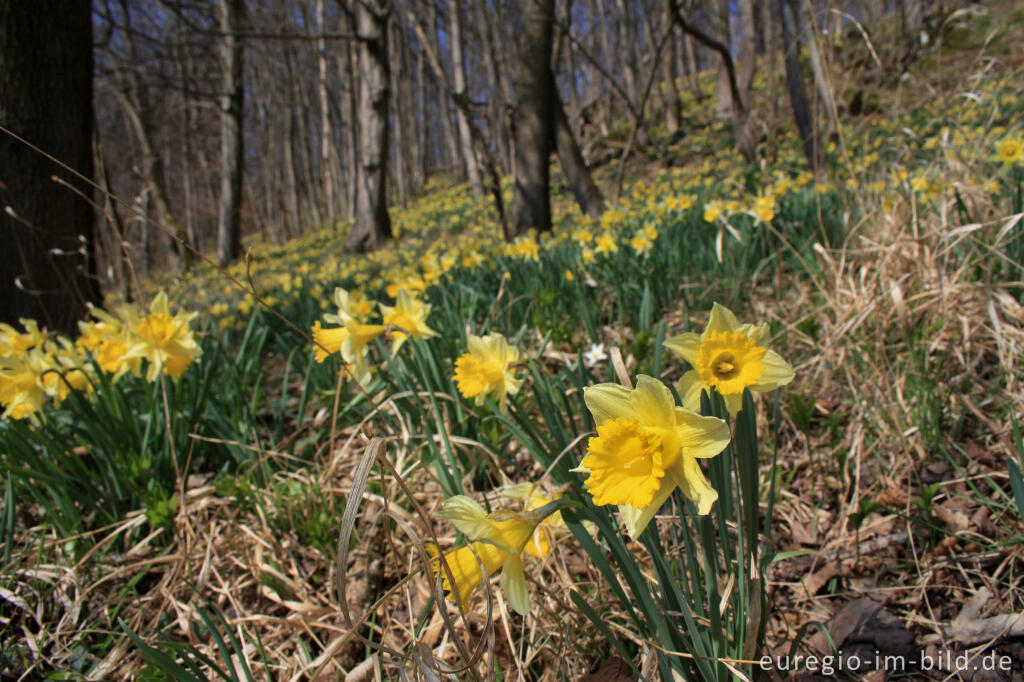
(595,355)
(350,340)
(640,243)
(1010,150)
(606,244)
(350,305)
(164,340)
(487,369)
(764,208)
(712,211)
(409,316)
(646,447)
(498,541)
(730,357)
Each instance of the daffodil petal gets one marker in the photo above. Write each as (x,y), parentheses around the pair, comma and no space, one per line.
(686,346)
(721,320)
(513,584)
(733,403)
(653,402)
(689,388)
(757,332)
(777,372)
(608,401)
(468,516)
(701,436)
(694,486)
(636,520)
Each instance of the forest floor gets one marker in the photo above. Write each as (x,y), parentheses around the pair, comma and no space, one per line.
(892,282)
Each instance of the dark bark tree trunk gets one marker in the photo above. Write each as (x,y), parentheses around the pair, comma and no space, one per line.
(809,27)
(372,225)
(797,96)
(231,13)
(531,204)
(494,62)
(46,98)
(588,196)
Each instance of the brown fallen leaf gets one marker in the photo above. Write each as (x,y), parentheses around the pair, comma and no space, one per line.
(817,580)
(612,670)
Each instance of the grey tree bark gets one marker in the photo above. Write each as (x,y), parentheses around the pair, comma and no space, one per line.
(372,224)
(810,28)
(531,203)
(231,14)
(794,81)
(462,92)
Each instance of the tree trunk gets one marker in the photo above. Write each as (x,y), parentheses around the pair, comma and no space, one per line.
(494,64)
(723,100)
(461,91)
(372,225)
(748,50)
(229,225)
(692,68)
(588,196)
(46,98)
(794,81)
(326,163)
(672,109)
(810,29)
(531,206)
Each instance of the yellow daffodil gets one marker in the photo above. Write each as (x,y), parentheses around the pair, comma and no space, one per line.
(499,539)
(640,243)
(21,383)
(13,343)
(712,211)
(764,208)
(730,357)
(646,447)
(409,316)
(1010,150)
(165,341)
(487,369)
(327,341)
(606,244)
(350,305)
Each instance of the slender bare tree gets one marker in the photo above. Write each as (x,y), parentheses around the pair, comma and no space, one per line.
(372,224)
(531,203)
(231,14)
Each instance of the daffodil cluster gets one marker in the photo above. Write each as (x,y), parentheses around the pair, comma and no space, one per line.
(351,334)
(36,367)
(646,446)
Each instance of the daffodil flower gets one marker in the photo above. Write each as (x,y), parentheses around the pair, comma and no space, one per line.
(350,341)
(487,369)
(164,340)
(1010,150)
(730,357)
(409,316)
(645,448)
(499,539)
